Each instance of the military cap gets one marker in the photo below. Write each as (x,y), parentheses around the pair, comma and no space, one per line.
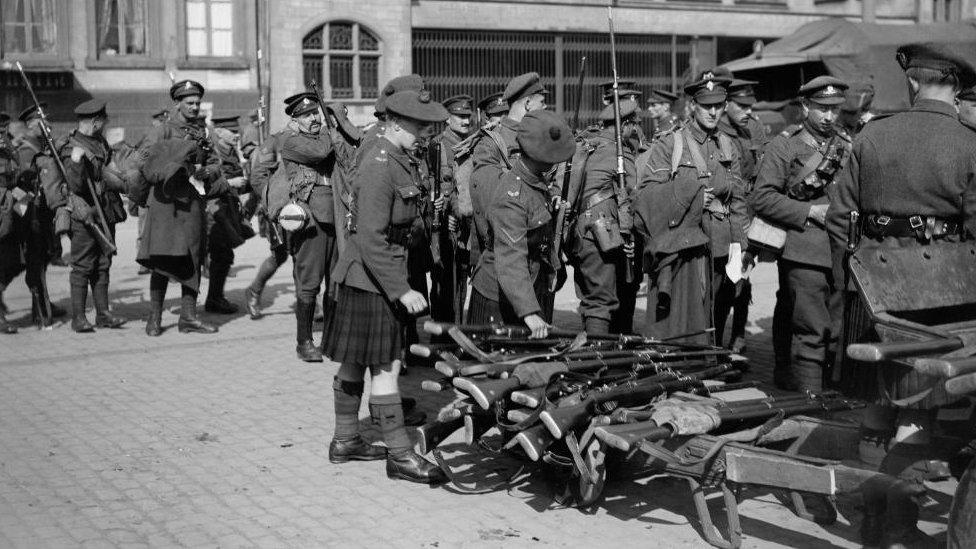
(628,109)
(742,92)
(661,96)
(708,89)
(940,57)
(400,83)
(825,90)
(523,85)
(459,104)
(230,122)
(160,112)
(4,117)
(185,88)
(90,109)
(416,105)
(624,88)
(544,136)
(493,104)
(30,112)
(858,97)
(968,94)
(301,103)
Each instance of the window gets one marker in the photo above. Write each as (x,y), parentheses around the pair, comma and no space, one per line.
(344,58)
(121,26)
(29,26)
(210,28)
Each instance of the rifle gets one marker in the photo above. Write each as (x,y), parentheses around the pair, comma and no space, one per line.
(625,218)
(261,119)
(325,115)
(559,222)
(101,230)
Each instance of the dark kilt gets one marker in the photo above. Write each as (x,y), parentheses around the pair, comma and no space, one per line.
(482,310)
(363,329)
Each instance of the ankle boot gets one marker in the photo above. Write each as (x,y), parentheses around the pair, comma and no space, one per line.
(414,468)
(104,318)
(252,302)
(79,297)
(306,349)
(189,321)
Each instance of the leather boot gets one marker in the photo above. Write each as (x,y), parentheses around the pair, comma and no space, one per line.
(154,325)
(189,321)
(411,466)
(306,348)
(216,302)
(357,449)
(104,318)
(252,302)
(79,297)
(40,313)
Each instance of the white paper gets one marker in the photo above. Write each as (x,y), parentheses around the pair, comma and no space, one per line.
(733,269)
(198,185)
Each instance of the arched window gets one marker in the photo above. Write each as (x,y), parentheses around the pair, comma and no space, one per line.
(344,58)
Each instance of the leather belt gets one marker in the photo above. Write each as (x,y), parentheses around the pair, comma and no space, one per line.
(916,226)
(597,198)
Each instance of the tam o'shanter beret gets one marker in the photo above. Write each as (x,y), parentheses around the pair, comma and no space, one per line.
(493,104)
(406,82)
(31,112)
(545,137)
(523,85)
(709,89)
(459,104)
(185,88)
(301,103)
(825,90)
(90,108)
(416,105)
(940,57)
(628,109)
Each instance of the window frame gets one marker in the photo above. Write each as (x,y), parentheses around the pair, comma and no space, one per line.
(59,58)
(356,53)
(149,60)
(241,38)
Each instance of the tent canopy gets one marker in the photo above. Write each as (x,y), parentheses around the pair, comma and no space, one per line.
(858,53)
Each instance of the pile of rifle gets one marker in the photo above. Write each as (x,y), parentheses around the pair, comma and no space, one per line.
(550,398)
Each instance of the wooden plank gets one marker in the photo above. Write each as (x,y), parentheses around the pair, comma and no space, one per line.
(747,467)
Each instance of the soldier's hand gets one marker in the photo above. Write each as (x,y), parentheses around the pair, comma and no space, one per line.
(629,249)
(709,195)
(414,302)
(237,182)
(439,204)
(77,153)
(539,327)
(818,214)
(452,223)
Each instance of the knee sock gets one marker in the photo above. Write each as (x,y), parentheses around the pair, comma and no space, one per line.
(348,398)
(388,411)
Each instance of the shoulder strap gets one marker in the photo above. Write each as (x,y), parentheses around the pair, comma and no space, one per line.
(641,164)
(502,146)
(676,151)
(811,163)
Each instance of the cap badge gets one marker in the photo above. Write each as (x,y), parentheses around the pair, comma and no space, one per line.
(424,96)
(187,85)
(304,101)
(830,90)
(710,85)
(708,76)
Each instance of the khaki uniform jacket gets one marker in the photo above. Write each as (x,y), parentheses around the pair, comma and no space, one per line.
(308,160)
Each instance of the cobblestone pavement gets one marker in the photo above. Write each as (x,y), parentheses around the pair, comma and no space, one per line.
(115,439)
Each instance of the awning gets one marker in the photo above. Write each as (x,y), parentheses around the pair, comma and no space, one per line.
(752,62)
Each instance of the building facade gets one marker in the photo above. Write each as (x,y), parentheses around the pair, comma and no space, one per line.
(127,50)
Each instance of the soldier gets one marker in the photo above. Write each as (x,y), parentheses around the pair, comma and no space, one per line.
(87,161)
(308,158)
(226,229)
(11,251)
(791,192)
(160,117)
(401,83)
(659,104)
(595,245)
(912,178)
(186,124)
(688,211)
(749,135)
(626,91)
(375,300)
(514,263)
(855,112)
(492,108)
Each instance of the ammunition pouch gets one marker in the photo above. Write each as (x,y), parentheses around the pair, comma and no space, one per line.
(599,222)
(79,210)
(407,235)
(920,227)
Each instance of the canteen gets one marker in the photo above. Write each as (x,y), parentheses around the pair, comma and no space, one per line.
(294,216)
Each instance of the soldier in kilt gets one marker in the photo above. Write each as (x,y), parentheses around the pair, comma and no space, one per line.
(375,301)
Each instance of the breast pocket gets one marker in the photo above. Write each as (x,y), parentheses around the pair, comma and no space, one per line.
(406,206)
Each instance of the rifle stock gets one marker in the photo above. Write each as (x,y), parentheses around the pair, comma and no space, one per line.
(476,425)
(946,367)
(534,441)
(431,434)
(878,352)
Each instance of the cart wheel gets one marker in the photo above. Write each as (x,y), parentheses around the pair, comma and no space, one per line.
(591,485)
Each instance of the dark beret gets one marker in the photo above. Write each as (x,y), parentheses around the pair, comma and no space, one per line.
(968,94)
(4,117)
(230,122)
(858,97)
(301,103)
(459,104)
(628,109)
(545,137)
(940,57)
(709,89)
(523,85)
(742,91)
(661,96)
(90,109)
(406,82)
(31,112)
(185,88)
(493,104)
(825,90)
(416,105)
